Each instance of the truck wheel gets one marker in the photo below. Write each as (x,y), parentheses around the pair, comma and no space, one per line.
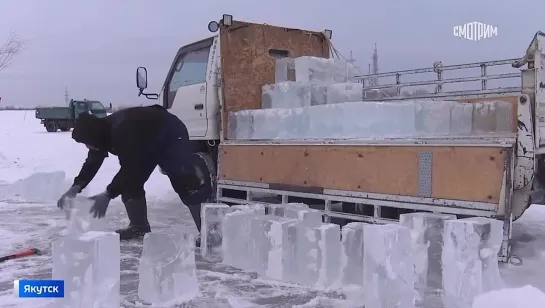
(51,126)
(212,169)
(64,128)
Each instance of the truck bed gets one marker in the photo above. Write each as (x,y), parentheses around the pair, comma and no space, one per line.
(53,113)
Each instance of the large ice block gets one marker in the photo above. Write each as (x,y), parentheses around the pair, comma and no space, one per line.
(241,125)
(79,218)
(493,117)
(280,123)
(344,92)
(489,254)
(352,254)
(316,249)
(287,94)
(167,270)
(256,208)
(316,69)
(461,119)
(279,209)
(462,265)
(211,229)
(504,117)
(89,264)
(388,264)
(427,235)
(266,253)
(433,117)
(318,94)
(237,235)
(309,215)
(284,70)
(326,121)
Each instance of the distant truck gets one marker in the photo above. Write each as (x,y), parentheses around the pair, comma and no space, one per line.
(63,118)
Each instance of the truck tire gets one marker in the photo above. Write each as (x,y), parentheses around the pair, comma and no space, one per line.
(64,128)
(51,126)
(212,169)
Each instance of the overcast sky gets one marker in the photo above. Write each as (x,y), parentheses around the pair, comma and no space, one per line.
(93,47)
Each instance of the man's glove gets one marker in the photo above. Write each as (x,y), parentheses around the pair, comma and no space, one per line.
(69,194)
(100,205)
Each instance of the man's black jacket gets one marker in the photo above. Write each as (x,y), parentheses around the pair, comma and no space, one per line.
(130,134)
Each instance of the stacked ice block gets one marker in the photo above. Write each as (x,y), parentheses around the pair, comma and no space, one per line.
(315,98)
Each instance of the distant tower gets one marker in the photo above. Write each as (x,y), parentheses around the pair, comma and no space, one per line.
(66,96)
(375,65)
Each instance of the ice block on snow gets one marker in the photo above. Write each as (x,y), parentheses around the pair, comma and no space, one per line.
(79,218)
(287,94)
(211,229)
(344,92)
(237,235)
(352,254)
(489,254)
(89,264)
(388,266)
(266,251)
(427,234)
(462,265)
(316,249)
(433,117)
(167,270)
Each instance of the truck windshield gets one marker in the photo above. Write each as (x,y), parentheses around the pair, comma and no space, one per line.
(96,106)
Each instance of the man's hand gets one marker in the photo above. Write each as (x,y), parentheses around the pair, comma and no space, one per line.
(100,205)
(69,194)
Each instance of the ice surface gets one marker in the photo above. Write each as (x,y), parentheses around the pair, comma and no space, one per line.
(287,94)
(309,215)
(167,270)
(316,250)
(267,249)
(524,297)
(241,125)
(352,254)
(257,208)
(489,254)
(90,267)
(284,70)
(280,123)
(492,117)
(388,266)
(433,117)
(427,235)
(316,69)
(461,119)
(211,229)
(464,239)
(318,94)
(79,218)
(278,209)
(38,187)
(237,235)
(344,92)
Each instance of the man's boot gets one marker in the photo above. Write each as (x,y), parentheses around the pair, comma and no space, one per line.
(137,211)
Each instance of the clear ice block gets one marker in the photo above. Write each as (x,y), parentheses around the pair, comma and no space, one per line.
(262,245)
(318,94)
(352,254)
(287,94)
(309,215)
(167,270)
(326,121)
(427,234)
(241,125)
(280,123)
(344,92)
(89,264)
(316,249)
(256,208)
(237,235)
(284,70)
(388,266)
(279,209)
(79,218)
(316,69)
(489,254)
(461,119)
(504,117)
(433,117)
(462,265)
(211,229)
(493,117)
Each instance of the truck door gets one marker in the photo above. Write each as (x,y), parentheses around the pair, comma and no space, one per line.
(184,93)
(80,107)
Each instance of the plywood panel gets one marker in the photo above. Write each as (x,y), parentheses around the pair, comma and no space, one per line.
(462,173)
(247,65)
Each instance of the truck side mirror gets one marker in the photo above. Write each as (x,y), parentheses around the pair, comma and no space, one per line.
(110,107)
(141,78)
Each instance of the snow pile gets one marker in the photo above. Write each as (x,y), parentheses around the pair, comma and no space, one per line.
(524,297)
(38,187)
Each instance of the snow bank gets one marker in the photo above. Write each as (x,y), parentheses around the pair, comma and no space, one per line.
(524,297)
(38,187)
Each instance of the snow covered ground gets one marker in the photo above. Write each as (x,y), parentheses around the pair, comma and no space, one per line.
(29,218)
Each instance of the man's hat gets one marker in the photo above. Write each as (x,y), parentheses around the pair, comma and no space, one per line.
(91,131)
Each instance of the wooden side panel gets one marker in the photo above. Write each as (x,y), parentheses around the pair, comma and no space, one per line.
(247,64)
(460,173)
(510,99)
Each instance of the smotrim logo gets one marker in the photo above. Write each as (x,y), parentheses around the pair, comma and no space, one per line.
(475,31)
